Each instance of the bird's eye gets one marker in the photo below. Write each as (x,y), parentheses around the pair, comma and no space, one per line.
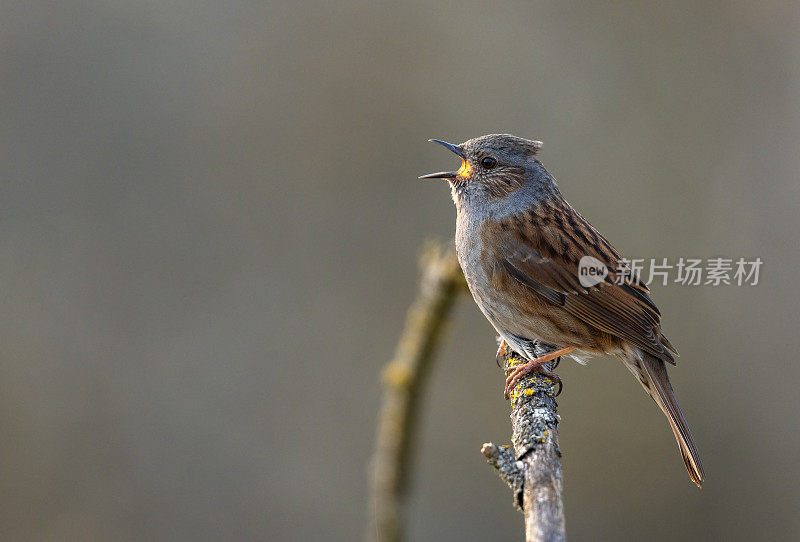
(488,162)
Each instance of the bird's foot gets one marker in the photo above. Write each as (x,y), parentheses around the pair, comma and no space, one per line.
(501,351)
(537,366)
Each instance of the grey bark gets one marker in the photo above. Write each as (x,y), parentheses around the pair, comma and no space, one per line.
(533,469)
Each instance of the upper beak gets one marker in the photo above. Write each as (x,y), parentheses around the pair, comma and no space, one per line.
(446,174)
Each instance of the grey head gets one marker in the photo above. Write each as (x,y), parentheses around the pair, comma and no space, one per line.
(496,169)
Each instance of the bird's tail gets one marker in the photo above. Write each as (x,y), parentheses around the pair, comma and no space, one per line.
(652,374)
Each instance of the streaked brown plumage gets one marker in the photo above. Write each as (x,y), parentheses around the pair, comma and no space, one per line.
(520,243)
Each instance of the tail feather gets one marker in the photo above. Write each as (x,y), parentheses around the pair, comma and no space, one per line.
(652,373)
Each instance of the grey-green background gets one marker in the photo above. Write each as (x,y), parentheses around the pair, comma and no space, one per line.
(209,224)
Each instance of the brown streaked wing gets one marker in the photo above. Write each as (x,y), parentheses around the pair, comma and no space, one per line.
(536,258)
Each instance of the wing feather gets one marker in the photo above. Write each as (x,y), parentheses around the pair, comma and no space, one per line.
(536,258)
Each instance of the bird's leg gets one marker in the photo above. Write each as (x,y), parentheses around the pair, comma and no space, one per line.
(501,351)
(534,364)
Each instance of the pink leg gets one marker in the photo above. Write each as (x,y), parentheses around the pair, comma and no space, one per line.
(501,351)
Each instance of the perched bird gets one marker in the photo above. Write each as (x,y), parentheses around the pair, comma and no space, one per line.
(525,253)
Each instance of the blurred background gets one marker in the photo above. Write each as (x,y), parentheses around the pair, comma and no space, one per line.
(210,222)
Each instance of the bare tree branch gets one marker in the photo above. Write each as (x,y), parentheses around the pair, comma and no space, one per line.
(403,382)
(533,471)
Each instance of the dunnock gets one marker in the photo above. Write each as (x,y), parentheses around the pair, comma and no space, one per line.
(521,247)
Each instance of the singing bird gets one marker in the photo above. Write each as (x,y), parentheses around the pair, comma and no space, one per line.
(521,247)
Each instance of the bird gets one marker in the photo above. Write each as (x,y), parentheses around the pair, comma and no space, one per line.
(524,251)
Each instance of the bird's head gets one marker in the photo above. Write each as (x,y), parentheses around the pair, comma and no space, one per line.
(492,166)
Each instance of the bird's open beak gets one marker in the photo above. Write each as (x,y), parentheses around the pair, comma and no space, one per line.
(446,174)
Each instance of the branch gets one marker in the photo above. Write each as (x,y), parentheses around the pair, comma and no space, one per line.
(533,471)
(403,382)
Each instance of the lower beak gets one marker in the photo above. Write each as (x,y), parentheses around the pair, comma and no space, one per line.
(446,174)
(440,175)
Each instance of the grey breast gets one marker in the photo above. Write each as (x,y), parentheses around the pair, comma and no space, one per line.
(497,311)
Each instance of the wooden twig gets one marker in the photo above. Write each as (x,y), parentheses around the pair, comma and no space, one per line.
(403,381)
(533,470)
